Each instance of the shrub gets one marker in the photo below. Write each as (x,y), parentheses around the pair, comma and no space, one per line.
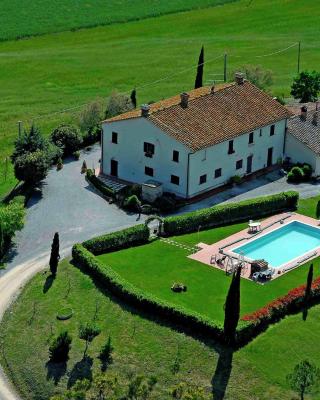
(307,171)
(236,179)
(129,237)
(29,142)
(32,168)
(87,333)
(296,175)
(178,287)
(76,155)
(67,138)
(117,104)
(132,203)
(59,164)
(103,188)
(230,213)
(306,86)
(105,354)
(92,136)
(60,347)
(91,116)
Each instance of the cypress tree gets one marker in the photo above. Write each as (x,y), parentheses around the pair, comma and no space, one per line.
(308,285)
(199,77)
(232,308)
(54,256)
(134,98)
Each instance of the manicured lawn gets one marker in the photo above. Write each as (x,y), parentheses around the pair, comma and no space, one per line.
(155,267)
(42,75)
(140,344)
(22,18)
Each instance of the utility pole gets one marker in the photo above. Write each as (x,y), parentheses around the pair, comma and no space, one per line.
(299,51)
(225,68)
(19,128)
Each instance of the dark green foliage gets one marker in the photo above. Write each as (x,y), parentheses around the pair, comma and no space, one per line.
(306,86)
(55,255)
(68,138)
(105,354)
(132,203)
(87,333)
(140,387)
(32,168)
(117,103)
(91,116)
(303,377)
(104,189)
(29,142)
(133,98)
(11,220)
(129,237)
(318,210)
(230,213)
(307,171)
(60,347)
(199,77)
(232,308)
(92,136)
(300,173)
(308,285)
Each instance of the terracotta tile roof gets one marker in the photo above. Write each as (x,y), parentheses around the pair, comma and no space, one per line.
(305,131)
(213,118)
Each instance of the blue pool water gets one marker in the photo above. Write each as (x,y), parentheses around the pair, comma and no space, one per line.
(283,244)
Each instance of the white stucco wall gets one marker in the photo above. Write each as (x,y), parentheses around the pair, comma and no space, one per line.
(299,152)
(208,160)
(131,158)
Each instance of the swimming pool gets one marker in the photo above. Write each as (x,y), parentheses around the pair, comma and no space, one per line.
(283,244)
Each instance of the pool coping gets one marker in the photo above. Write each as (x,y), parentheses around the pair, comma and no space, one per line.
(225,246)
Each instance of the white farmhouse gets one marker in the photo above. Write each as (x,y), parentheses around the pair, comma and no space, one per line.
(303,139)
(197,141)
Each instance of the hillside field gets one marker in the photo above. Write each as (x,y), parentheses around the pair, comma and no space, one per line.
(40,76)
(32,18)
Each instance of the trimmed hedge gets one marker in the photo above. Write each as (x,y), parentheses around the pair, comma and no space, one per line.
(230,213)
(109,242)
(104,189)
(120,287)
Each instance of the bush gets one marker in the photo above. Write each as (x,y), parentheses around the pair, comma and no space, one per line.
(104,189)
(60,347)
(32,168)
(91,116)
(307,171)
(106,276)
(117,104)
(236,179)
(132,203)
(92,136)
(129,237)
(178,287)
(76,155)
(300,173)
(230,213)
(29,142)
(68,138)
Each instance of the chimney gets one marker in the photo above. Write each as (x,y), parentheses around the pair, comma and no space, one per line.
(145,108)
(184,99)
(239,78)
(212,89)
(303,115)
(315,118)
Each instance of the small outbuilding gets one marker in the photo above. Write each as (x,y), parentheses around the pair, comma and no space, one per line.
(151,190)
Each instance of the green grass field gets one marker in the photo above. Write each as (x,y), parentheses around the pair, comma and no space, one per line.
(54,72)
(155,267)
(43,16)
(143,346)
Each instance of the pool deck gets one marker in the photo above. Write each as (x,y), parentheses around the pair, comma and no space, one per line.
(207,252)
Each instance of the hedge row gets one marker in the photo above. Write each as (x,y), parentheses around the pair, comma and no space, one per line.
(106,276)
(129,237)
(104,189)
(230,213)
(292,302)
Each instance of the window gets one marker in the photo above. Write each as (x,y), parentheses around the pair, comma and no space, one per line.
(148,171)
(175,156)
(250,137)
(271,130)
(239,164)
(260,134)
(203,179)
(175,179)
(114,137)
(148,149)
(218,173)
(231,149)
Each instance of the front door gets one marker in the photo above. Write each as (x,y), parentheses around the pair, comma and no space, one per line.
(114,168)
(249,164)
(270,153)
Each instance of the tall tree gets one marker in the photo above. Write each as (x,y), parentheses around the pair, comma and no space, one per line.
(199,77)
(133,97)
(55,256)
(306,86)
(29,142)
(308,285)
(232,308)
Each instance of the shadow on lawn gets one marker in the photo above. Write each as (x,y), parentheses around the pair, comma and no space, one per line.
(81,370)
(223,369)
(55,371)
(48,283)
